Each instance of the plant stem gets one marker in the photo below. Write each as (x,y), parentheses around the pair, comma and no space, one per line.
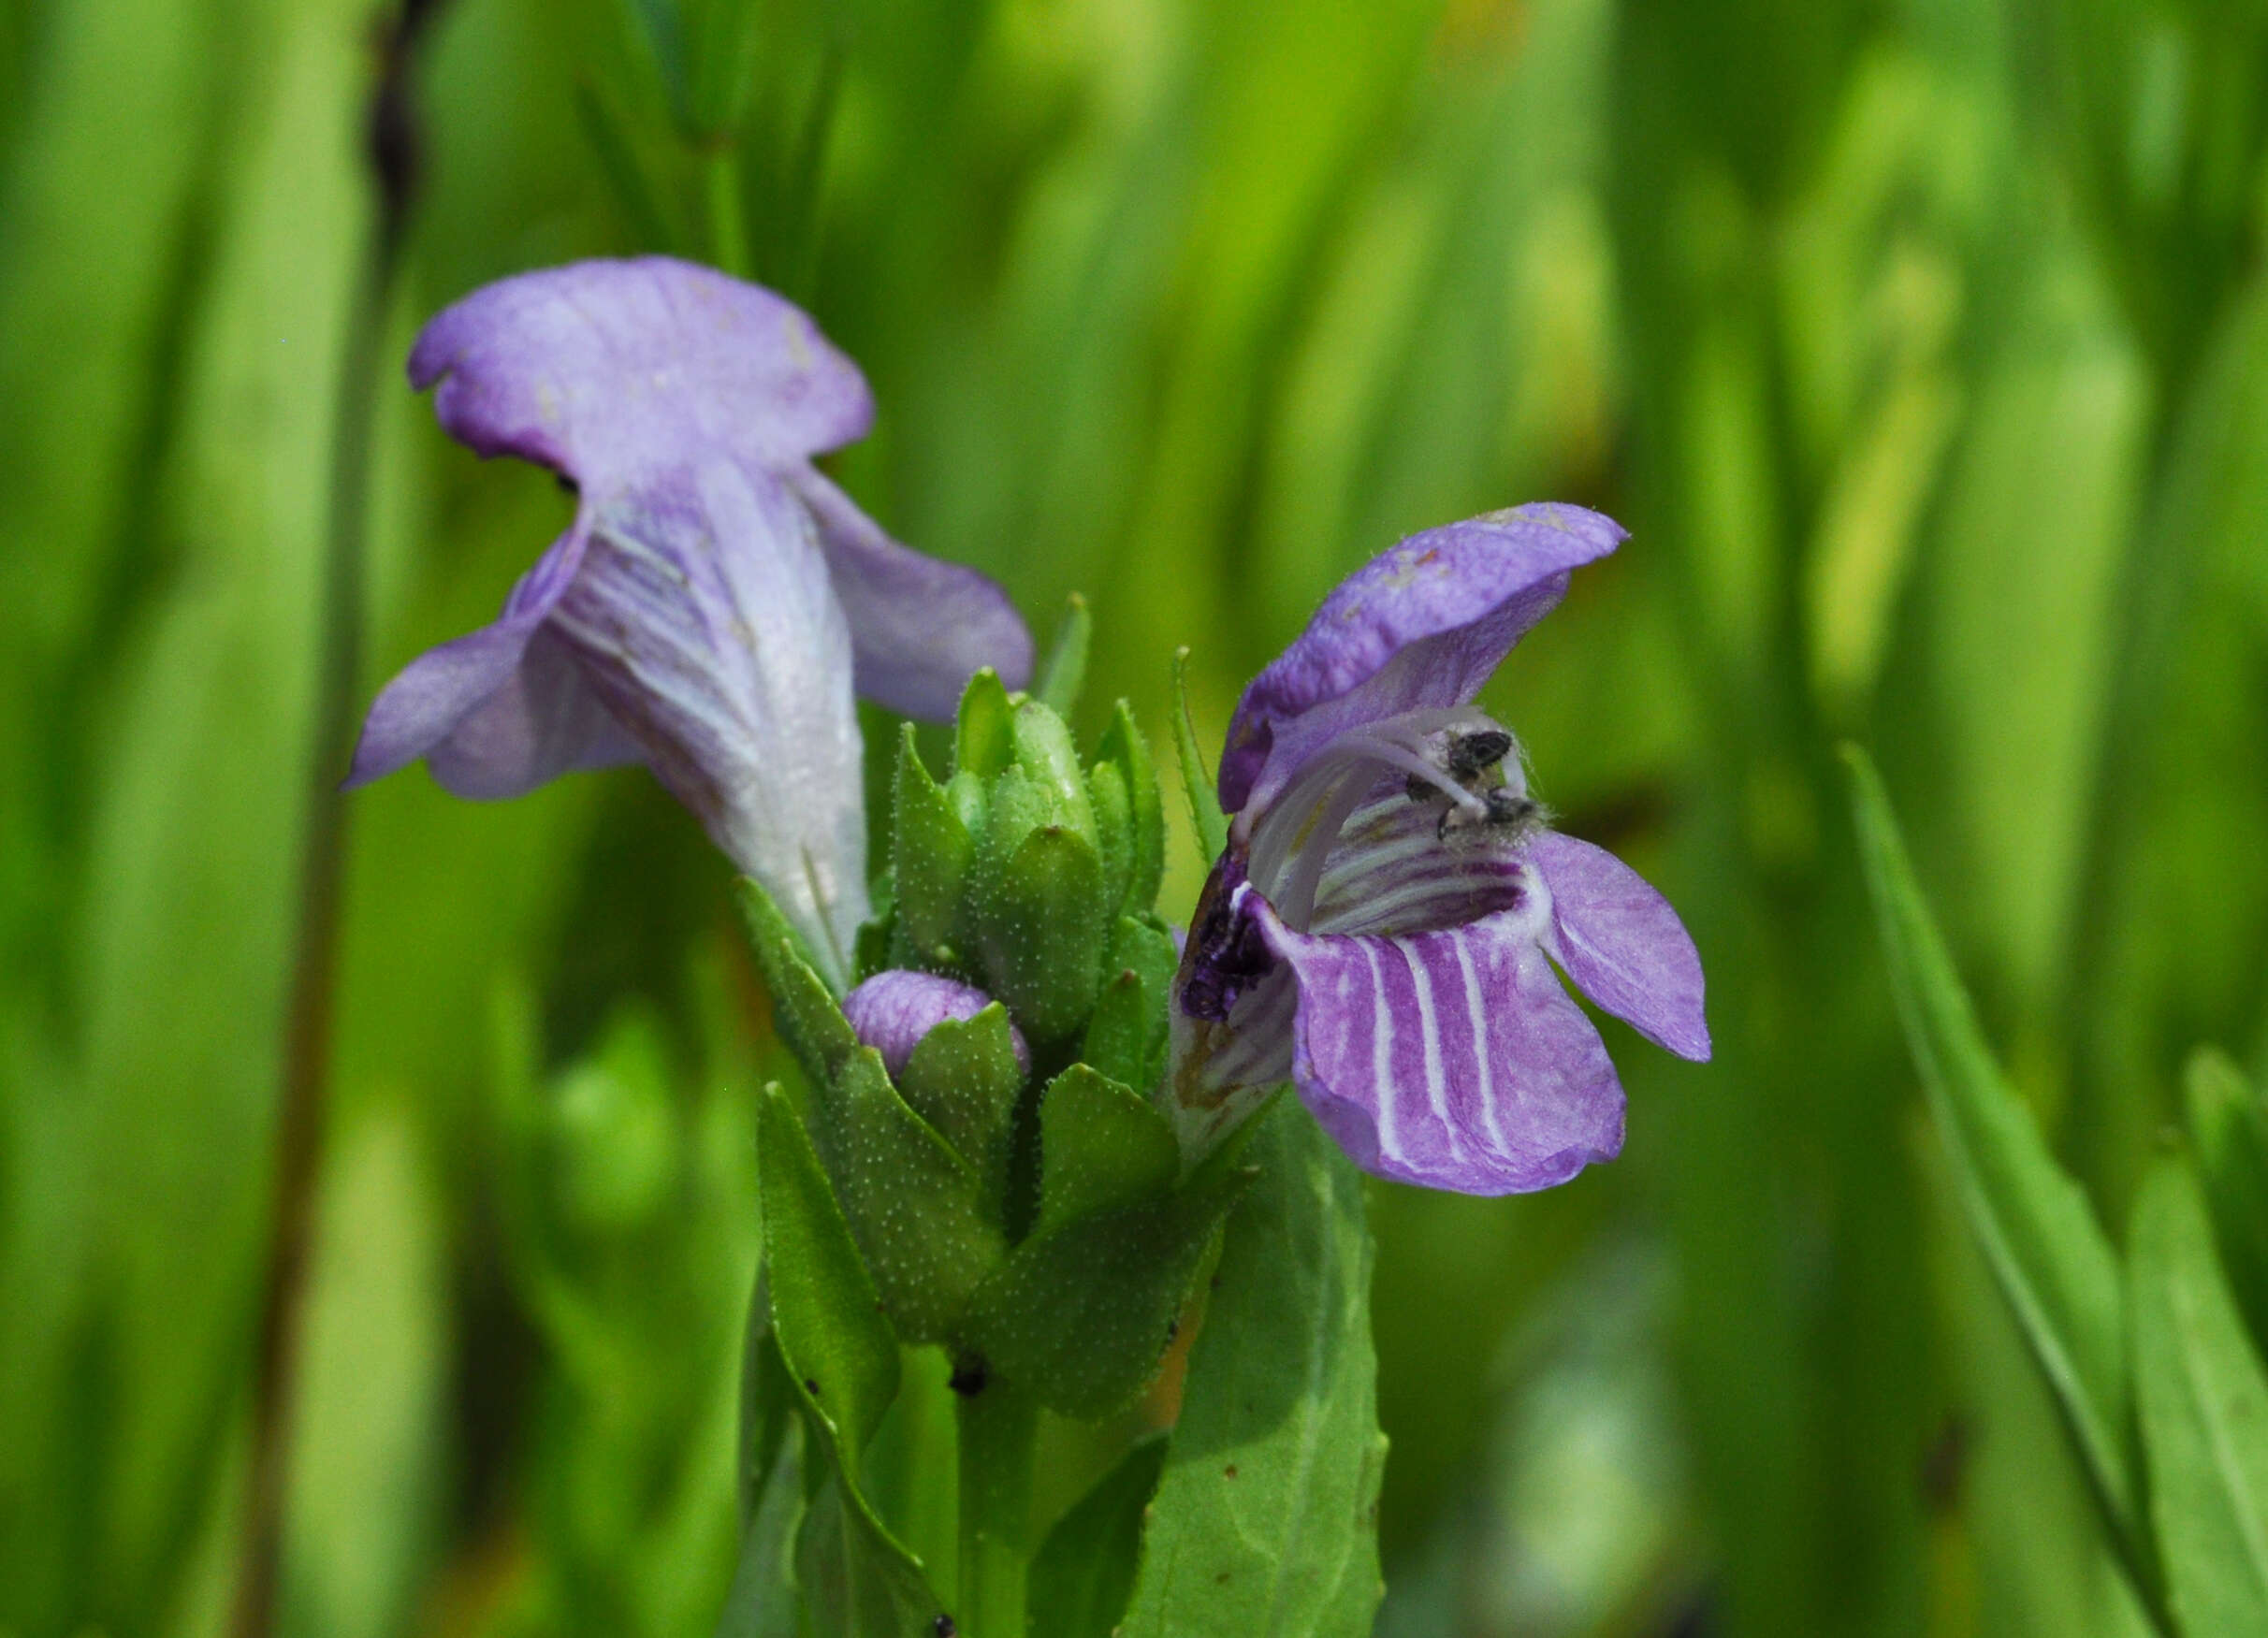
(390,137)
(997,1425)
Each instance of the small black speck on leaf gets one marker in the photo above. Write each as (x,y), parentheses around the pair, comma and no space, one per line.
(811,1385)
(944,1627)
(969,1375)
(1229,1471)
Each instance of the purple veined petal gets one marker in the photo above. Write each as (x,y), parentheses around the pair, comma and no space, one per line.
(1394,870)
(1421,625)
(1623,944)
(893,1011)
(448,685)
(607,369)
(1452,1058)
(546,720)
(731,671)
(919,627)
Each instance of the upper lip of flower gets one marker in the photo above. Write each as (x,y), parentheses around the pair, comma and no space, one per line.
(1392,961)
(709,607)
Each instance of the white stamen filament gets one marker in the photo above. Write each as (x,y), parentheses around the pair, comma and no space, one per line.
(1295,836)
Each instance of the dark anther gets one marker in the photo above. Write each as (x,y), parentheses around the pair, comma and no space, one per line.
(1227,954)
(969,1375)
(568,484)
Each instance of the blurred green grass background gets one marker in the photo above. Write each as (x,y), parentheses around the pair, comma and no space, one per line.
(1923,345)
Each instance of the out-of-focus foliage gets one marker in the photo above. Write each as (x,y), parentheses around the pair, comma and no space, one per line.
(1923,344)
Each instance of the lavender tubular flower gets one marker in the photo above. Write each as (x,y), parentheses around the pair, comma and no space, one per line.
(715,602)
(1382,928)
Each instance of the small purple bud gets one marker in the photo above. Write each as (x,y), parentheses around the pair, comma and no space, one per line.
(893,1011)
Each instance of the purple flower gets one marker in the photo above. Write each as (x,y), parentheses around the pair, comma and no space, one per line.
(715,600)
(896,1008)
(1383,925)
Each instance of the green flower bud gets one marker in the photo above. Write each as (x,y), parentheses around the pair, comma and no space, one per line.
(1124,748)
(1126,1036)
(1042,924)
(983,741)
(1047,755)
(930,852)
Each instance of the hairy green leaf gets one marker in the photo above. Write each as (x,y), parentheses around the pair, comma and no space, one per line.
(1265,1522)
(1083,1573)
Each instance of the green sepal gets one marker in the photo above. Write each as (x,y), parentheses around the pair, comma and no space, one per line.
(1064,671)
(1126,1036)
(1101,1146)
(983,743)
(919,1212)
(962,1078)
(1045,752)
(1080,1316)
(1205,815)
(1123,747)
(803,1009)
(1113,831)
(930,852)
(1041,930)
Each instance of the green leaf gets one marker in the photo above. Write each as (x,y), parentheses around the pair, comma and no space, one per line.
(930,850)
(2229,1126)
(2033,1223)
(2203,1403)
(1080,1316)
(1100,1146)
(1266,1519)
(1123,747)
(1083,1573)
(803,1008)
(838,1349)
(1197,784)
(1065,670)
(983,742)
(840,1360)
(964,1080)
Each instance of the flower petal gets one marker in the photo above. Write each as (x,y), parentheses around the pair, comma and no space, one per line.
(546,720)
(1622,943)
(704,619)
(921,628)
(1421,625)
(1395,870)
(607,369)
(446,686)
(893,1011)
(1450,1059)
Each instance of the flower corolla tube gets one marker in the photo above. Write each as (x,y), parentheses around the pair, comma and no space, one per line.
(715,601)
(1382,927)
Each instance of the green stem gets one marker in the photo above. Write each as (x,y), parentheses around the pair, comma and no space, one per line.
(997,1425)
(727,215)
